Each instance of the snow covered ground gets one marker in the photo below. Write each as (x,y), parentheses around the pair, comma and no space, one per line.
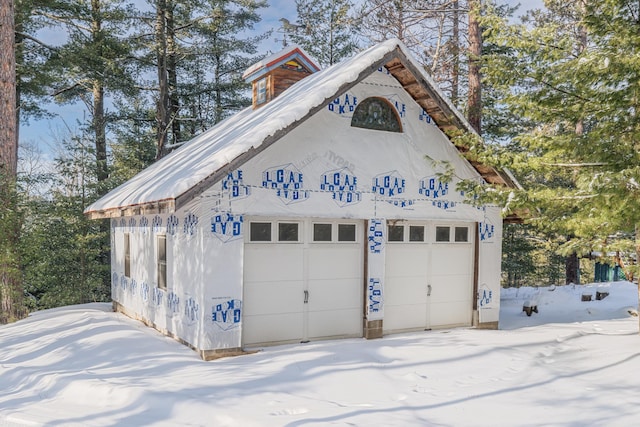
(572,364)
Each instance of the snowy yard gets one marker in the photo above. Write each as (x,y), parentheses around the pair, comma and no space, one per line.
(572,364)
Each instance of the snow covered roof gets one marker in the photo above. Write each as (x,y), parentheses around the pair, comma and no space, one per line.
(292,52)
(184,174)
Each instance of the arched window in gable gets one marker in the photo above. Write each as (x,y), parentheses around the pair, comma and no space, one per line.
(377,114)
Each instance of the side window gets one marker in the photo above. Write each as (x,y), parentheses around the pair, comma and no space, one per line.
(261,91)
(322,232)
(395,233)
(416,233)
(260,232)
(161,261)
(127,254)
(462,234)
(346,232)
(288,232)
(443,234)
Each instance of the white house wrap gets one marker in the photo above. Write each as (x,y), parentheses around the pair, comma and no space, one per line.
(294,220)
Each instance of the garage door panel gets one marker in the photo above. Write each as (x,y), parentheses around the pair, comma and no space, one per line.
(450,288)
(452,259)
(405,259)
(276,275)
(260,297)
(335,261)
(410,290)
(273,262)
(335,294)
(272,328)
(403,317)
(451,314)
(412,267)
(335,323)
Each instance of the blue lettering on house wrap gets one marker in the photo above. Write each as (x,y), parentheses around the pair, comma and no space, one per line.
(425,117)
(172,224)
(190,226)
(443,204)
(287,181)
(233,185)
(389,184)
(156,223)
(144,291)
(173,303)
(485,296)
(376,236)
(156,296)
(227,315)
(375,295)
(144,224)
(191,310)
(432,186)
(346,104)
(401,108)
(227,226)
(486,230)
(343,185)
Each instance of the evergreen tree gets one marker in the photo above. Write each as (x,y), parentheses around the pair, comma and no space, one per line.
(212,71)
(11,287)
(574,72)
(325,29)
(198,52)
(62,251)
(93,62)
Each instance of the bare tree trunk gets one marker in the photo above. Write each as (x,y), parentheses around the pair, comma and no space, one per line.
(162,109)
(11,294)
(455,71)
(8,125)
(474,101)
(572,264)
(98,121)
(172,75)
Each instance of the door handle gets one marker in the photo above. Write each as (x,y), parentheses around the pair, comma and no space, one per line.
(306,297)
(428,290)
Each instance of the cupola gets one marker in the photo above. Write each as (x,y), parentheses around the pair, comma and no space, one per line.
(276,73)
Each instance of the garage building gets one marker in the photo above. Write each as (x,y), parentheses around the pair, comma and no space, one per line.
(319,212)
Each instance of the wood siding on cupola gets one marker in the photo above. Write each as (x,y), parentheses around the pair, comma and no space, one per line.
(275,74)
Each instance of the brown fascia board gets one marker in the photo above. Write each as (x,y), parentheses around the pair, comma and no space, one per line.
(158,207)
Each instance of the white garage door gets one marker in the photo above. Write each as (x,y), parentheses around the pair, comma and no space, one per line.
(428,275)
(303,280)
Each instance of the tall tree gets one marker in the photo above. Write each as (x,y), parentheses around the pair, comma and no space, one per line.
(11,306)
(581,160)
(324,28)
(199,51)
(474,98)
(94,63)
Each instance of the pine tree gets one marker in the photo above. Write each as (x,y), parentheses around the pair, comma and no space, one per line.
(94,63)
(11,293)
(324,29)
(62,250)
(198,54)
(574,72)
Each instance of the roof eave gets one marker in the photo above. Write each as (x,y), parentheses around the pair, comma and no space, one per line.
(150,208)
